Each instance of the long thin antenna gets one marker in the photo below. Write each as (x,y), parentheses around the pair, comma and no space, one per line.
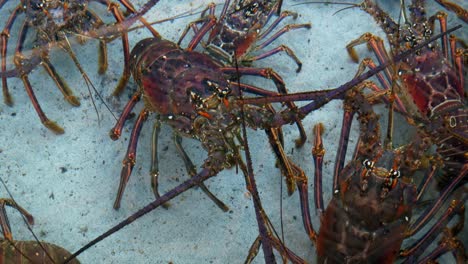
(250,180)
(89,84)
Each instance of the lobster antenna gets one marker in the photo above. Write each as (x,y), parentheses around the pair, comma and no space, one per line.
(89,83)
(388,138)
(171,18)
(280,4)
(403,12)
(28,226)
(250,180)
(326,3)
(350,5)
(337,92)
(391,108)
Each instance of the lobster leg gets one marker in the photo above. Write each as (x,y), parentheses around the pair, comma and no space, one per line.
(376,44)
(114,8)
(348,115)
(369,63)
(202,20)
(282,31)
(425,181)
(303,188)
(44,119)
(318,152)
(429,212)
(102,51)
(459,11)
(4,223)
(154,171)
(442,17)
(210,22)
(454,245)
(279,83)
(275,23)
(456,208)
(130,157)
(102,57)
(283,48)
(5,35)
(116,131)
(285,252)
(192,172)
(132,9)
(285,163)
(253,250)
(458,58)
(59,82)
(19,61)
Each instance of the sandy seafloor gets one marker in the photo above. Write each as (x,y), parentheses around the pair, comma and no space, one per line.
(69,182)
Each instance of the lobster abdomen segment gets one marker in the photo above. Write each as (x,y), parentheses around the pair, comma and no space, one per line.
(346,242)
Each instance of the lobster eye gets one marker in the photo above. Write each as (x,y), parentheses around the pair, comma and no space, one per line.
(220,90)
(36,5)
(251,10)
(395,173)
(368,164)
(196,99)
(427,33)
(223,92)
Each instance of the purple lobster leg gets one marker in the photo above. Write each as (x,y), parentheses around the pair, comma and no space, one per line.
(459,11)
(427,215)
(209,19)
(318,152)
(457,61)
(5,35)
(456,208)
(192,172)
(130,157)
(117,130)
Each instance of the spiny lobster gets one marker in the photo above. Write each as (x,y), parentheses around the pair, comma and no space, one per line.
(53,21)
(233,37)
(374,197)
(430,83)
